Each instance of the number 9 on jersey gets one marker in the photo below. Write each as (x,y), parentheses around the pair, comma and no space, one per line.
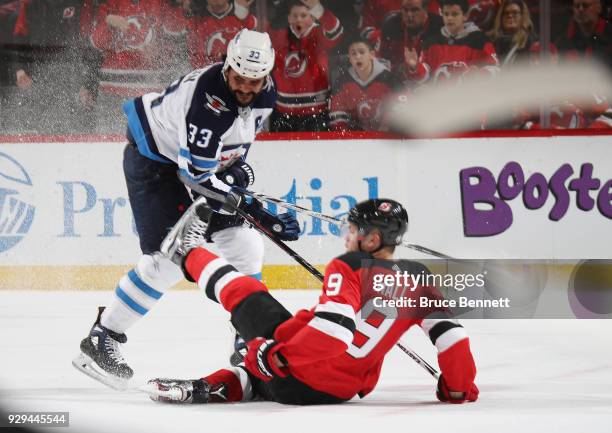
(334,284)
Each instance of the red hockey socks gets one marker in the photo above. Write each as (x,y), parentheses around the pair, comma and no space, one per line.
(220,281)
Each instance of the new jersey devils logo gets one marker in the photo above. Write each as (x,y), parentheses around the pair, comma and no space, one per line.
(452,71)
(215,46)
(69,12)
(384,207)
(295,64)
(368,111)
(139,34)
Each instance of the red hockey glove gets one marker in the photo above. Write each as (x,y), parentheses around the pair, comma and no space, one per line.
(259,360)
(448,396)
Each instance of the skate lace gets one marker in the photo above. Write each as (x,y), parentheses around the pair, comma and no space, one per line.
(112,348)
(194,235)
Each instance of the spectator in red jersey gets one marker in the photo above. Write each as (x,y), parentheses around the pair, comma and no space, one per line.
(212,25)
(129,34)
(408,29)
(56,71)
(131,39)
(460,47)
(301,66)
(327,354)
(588,34)
(359,91)
(513,33)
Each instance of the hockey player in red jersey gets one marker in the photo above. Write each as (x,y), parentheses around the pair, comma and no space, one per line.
(301,69)
(213,26)
(359,90)
(335,350)
(460,47)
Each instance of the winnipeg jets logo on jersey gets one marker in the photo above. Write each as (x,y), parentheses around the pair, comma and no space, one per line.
(295,64)
(216,104)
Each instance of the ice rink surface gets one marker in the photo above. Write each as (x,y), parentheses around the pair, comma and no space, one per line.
(533,375)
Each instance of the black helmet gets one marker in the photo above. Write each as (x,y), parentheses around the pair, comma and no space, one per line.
(386,215)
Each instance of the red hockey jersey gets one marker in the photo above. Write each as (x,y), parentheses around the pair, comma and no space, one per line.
(132,59)
(339,346)
(208,35)
(447,57)
(301,66)
(356,104)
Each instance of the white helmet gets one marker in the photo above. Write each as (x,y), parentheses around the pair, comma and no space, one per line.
(250,54)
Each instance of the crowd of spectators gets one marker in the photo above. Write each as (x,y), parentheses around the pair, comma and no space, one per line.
(66,65)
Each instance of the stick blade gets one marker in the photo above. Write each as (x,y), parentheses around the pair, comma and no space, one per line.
(444,109)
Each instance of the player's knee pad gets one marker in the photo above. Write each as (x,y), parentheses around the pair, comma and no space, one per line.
(258,315)
(243,247)
(158,272)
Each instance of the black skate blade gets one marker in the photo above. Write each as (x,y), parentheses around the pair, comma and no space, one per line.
(86,365)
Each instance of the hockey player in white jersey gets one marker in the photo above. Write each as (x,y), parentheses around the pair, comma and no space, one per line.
(202,125)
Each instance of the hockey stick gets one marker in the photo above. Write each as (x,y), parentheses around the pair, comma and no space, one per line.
(416,358)
(310,268)
(330,219)
(263,230)
(442,109)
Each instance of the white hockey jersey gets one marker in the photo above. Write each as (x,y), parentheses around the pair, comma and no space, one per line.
(196,124)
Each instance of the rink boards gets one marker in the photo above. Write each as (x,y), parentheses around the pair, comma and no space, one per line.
(65,221)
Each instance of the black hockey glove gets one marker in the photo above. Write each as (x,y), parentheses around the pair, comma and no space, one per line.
(239,174)
(284,225)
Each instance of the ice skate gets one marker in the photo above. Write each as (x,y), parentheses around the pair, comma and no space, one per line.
(185,391)
(188,232)
(101,358)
